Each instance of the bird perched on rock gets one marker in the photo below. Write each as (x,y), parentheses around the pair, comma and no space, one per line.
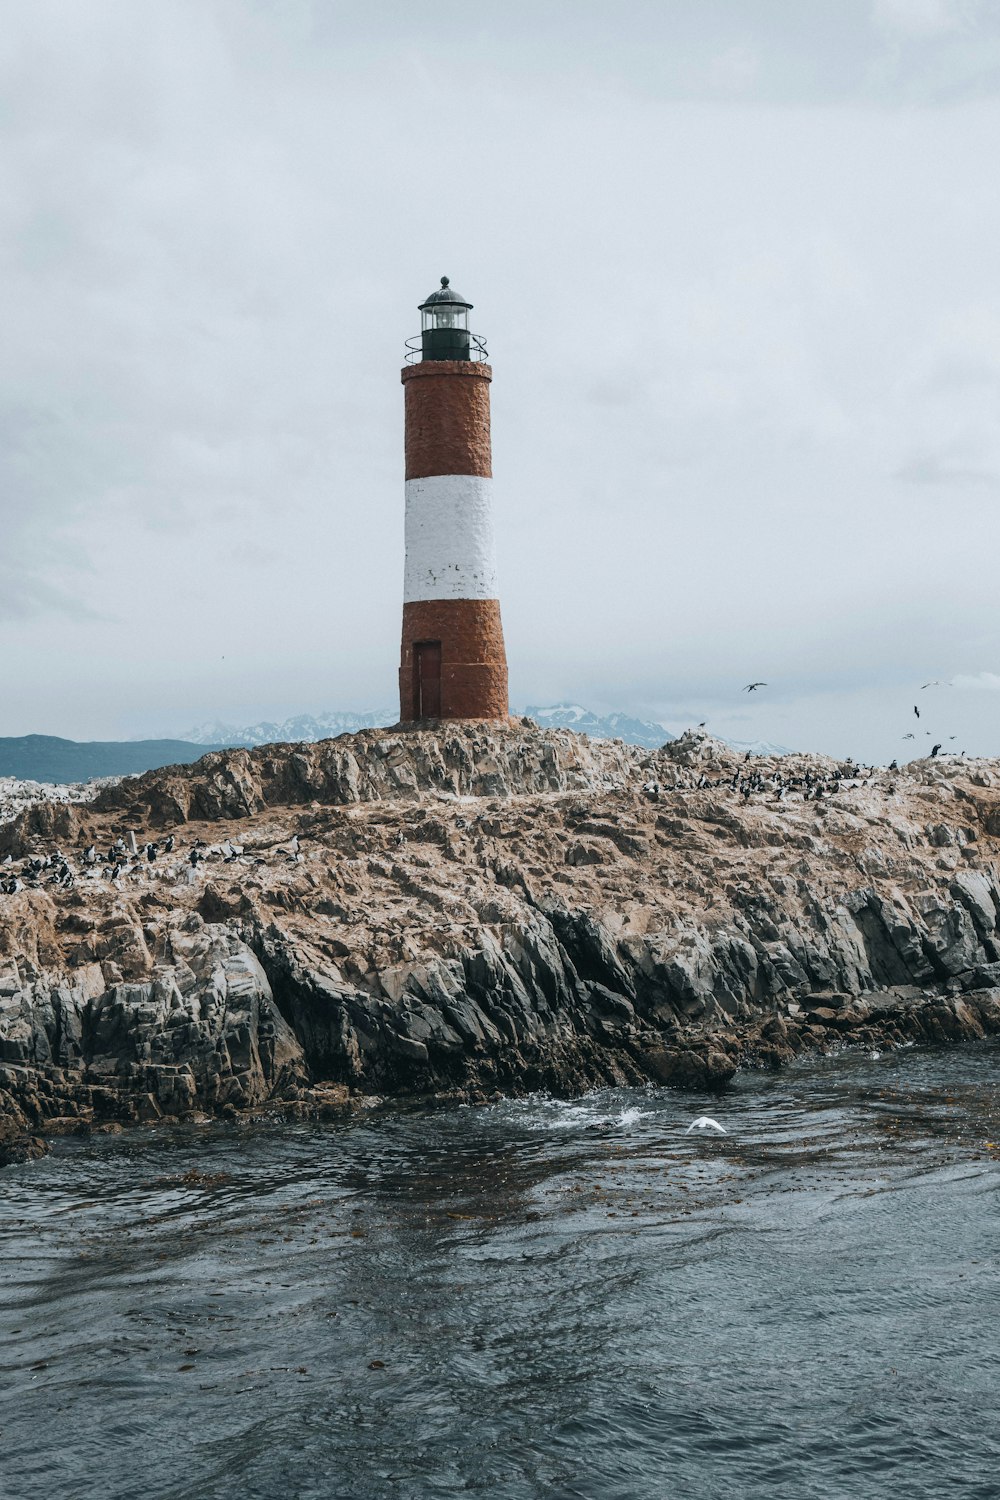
(935,749)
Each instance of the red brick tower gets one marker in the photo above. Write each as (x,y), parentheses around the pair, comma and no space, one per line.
(453,664)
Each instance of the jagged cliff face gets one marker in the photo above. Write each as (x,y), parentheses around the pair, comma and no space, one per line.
(485,908)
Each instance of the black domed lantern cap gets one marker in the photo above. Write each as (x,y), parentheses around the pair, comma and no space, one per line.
(444,324)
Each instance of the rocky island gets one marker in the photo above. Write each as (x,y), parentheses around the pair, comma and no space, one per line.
(476,909)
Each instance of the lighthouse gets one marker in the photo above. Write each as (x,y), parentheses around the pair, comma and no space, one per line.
(452,663)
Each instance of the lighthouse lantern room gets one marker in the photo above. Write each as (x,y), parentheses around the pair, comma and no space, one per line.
(452,664)
(444,324)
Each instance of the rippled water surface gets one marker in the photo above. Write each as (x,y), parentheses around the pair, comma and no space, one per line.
(536,1299)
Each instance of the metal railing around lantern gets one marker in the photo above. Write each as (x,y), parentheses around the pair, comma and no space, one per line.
(475,350)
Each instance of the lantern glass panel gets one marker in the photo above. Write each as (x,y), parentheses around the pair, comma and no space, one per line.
(446,315)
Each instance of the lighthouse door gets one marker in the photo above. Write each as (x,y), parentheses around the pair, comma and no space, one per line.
(427,656)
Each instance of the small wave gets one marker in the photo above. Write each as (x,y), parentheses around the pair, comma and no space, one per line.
(541,1114)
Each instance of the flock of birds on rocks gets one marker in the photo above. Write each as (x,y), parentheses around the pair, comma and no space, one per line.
(132,862)
(811,786)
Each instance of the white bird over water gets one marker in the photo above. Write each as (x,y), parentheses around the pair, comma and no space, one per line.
(705,1122)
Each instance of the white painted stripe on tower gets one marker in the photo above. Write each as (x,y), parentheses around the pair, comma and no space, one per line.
(449,538)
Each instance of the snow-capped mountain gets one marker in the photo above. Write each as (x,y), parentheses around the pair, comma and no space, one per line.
(645,732)
(307,727)
(758,747)
(324,726)
(610,727)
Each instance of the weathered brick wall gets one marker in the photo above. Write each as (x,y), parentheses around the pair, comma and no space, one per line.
(447,418)
(473,659)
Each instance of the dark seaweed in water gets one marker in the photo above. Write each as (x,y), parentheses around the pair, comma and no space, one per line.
(537,1299)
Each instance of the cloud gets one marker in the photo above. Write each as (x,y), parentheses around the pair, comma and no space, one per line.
(24,595)
(932,468)
(988,682)
(717,329)
(734,70)
(924,18)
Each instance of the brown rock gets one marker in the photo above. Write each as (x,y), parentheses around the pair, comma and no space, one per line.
(475,911)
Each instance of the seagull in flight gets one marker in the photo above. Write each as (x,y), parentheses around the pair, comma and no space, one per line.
(908,736)
(752,687)
(936,682)
(705,1122)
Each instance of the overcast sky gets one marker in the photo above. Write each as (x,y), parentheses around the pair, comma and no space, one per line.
(737,265)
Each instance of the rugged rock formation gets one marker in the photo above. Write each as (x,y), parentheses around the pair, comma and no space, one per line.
(483,909)
(16,795)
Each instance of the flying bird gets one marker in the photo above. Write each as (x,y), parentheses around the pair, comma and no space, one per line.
(752,687)
(705,1122)
(908,736)
(916,710)
(936,682)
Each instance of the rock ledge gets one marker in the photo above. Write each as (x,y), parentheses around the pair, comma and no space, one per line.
(480,909)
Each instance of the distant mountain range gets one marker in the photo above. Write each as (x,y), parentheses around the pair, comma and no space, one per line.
(43,757)
(758,747)
(324,726)
(302,727)
(644,732)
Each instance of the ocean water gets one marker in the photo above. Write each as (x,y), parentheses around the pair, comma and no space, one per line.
(534,1299)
